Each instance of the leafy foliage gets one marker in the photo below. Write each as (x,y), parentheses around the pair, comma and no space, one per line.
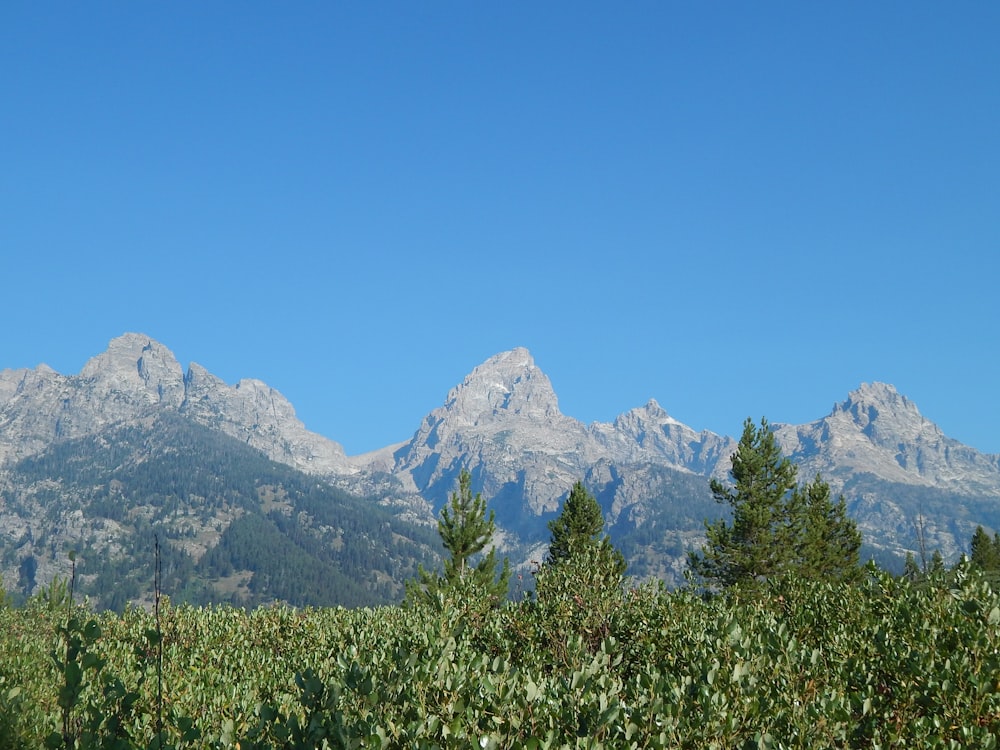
(579,586)
(575,598)
(800,663)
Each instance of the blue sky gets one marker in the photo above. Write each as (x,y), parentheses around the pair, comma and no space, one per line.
(738,209)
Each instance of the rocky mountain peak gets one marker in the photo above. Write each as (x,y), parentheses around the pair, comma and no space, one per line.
(137,369)
(135,375)
(650,411)
(637,425)
(649,433)
(879,432)
(503,418)
(507,383)
(879,411)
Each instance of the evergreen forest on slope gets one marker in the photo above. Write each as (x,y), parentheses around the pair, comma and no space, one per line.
(232,526)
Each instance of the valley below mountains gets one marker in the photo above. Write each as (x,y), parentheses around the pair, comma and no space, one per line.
(245,505)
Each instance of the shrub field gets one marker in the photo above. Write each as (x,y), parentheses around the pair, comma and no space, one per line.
(884,663)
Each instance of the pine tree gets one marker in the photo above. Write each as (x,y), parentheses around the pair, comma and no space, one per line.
(825,541)
(579,526)
(753,546)
(985,552)
(777,526)
(465,530)
(937,563)
(579,587)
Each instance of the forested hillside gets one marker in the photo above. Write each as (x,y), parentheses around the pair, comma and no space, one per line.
(232,525)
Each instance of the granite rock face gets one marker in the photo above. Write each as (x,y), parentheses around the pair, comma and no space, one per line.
(648,433)
(261,417)
(503,423)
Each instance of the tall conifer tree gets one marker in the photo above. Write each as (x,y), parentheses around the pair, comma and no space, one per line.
(777,526)
(825,543)
(984,553)
(579,587)
(579,527)
(752,547)
(466,530)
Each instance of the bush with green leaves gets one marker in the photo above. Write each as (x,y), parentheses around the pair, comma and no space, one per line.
(792,663)
(578,587)
(575,598)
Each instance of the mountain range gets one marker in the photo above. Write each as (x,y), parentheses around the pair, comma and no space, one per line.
(909,486)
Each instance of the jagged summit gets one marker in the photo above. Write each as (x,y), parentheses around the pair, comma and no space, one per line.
(880,432)
(876,391)
(504,416)
(506,383)
(652,410)
(884,416)
(879,408)
(137,368)
(649,433)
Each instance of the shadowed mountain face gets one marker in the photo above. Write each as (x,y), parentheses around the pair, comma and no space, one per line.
(902,477)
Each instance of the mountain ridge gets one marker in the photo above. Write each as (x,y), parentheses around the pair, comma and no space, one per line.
(650,472)
(137,373)
(877,429)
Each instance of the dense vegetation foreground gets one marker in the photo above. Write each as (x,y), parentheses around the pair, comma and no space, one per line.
(881,663)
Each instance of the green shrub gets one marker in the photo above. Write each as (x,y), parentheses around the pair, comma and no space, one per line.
(792,664)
